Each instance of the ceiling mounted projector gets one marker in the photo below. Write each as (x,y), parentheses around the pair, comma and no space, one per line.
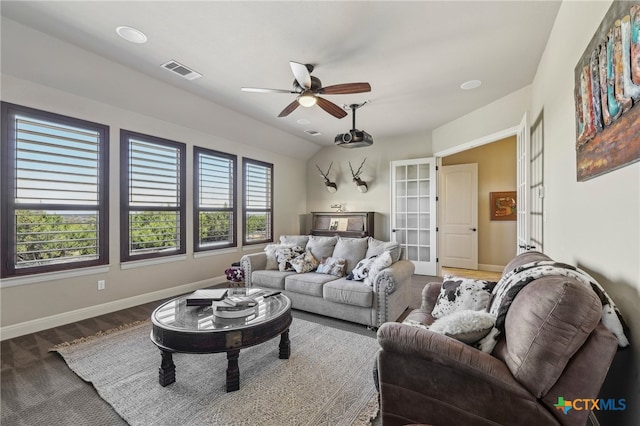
(355,138)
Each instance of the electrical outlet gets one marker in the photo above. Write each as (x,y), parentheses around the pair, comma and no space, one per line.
(101,284)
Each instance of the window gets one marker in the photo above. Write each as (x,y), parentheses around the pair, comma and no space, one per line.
(214,186)
(152,218)
(54,192)
(257,201)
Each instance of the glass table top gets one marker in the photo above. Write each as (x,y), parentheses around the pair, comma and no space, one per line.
(176,315)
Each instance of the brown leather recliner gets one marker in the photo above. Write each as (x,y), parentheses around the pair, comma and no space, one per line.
(554,346)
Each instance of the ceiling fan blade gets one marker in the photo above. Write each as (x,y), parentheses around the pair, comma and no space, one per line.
(301,73)
(263,90)
(289,109)
(331,108)
(344,89)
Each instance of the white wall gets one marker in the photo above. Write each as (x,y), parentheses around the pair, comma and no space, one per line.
(505,113)
(375,173)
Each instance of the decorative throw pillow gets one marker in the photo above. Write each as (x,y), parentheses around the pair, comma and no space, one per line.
(332,266)
(361,270)
(381,262)
(284,257)
(457,294)
(467,326)
(304,263)
(270,250)
(377,247)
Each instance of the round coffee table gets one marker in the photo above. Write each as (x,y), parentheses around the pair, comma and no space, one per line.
(196,330)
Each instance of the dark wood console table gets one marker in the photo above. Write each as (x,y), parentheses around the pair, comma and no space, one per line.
(344,224)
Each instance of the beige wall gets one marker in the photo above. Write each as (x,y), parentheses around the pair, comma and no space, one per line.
(54,298)
(496,172)
(375,173)
(593,224)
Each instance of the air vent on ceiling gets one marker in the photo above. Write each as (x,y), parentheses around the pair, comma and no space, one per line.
(313,132)
(181,70)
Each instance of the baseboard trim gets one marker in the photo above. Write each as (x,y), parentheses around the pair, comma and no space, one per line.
(491,268)
(32,326)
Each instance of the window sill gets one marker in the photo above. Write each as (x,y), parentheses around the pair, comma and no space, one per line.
(150,262)
(208,253)
(253,247)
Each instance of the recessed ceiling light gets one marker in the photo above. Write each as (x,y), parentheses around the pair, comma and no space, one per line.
(303,121)
(131,34)
(471,84)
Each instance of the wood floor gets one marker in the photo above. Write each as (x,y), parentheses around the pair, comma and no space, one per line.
(470,273)
(38,388)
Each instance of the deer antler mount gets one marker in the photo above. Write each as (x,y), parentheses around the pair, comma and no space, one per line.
(362,185)
(331,186)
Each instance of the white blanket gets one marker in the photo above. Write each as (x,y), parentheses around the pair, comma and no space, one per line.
(511,283)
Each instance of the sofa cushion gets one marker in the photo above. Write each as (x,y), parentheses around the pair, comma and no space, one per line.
(352,250)
(304,263)
(269,279)
(377,247)
(547,323)
(332,266)
(348,292)
(321,246)
(296,240)
(379,263)
(459,293)
(467,326)
(270,250)
(360,272)
(284,256)
(309,283)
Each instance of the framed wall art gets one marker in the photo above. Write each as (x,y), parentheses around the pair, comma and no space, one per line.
(503,205)
(606,93)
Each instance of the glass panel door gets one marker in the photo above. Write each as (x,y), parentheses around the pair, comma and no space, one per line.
(413,211)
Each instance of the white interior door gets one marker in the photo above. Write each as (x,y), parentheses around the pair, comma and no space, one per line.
(459,216)
(413,211)
(522,142)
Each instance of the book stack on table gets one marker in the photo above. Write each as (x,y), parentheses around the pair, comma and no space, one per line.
(234,307)
(224,306)
(206,296)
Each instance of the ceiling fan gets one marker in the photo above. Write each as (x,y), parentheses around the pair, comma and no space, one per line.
(309,87)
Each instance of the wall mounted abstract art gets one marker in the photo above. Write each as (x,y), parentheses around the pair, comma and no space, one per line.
(607,91)
(503,205)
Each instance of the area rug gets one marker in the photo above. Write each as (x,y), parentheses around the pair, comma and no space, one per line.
(326,381)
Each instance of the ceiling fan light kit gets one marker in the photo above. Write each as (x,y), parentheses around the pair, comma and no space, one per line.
(307,99)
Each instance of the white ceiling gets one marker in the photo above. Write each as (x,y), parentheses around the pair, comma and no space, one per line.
(415,55)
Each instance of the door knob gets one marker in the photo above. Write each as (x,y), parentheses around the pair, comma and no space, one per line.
(473,229)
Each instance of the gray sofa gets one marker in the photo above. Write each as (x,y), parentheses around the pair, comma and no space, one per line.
(381,297)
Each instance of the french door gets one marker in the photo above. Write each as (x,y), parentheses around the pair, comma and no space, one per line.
(522,185)
(413,211)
